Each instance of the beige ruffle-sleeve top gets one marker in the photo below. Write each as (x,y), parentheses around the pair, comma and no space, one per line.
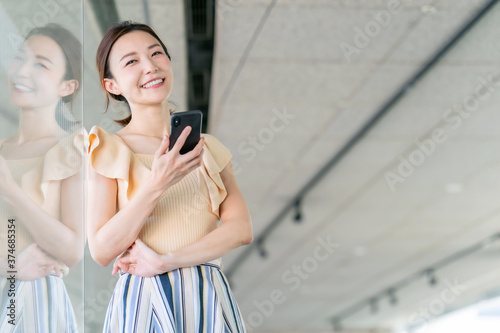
(40,178)
(186,211)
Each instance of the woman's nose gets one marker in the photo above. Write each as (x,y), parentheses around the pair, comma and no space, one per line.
(150,67)
(22,69)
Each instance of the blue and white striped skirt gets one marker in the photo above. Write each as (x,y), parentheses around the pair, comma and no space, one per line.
(41,306)
(186,300)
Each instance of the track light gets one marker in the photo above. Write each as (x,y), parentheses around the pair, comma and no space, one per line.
(261,249)
(337,327)
(298,212)
(393,300)
(431,277)
(373,306)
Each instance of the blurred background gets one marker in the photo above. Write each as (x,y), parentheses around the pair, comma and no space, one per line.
(365,142)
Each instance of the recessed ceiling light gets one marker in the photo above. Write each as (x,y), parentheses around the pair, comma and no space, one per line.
(359,251)
(453,188)
(428,9)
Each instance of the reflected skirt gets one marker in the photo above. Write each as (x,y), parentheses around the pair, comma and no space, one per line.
(41,306)
(191,299)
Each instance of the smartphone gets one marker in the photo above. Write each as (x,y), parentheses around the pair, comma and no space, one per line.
(179,121)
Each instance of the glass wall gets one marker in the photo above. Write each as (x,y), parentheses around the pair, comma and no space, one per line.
(41,166)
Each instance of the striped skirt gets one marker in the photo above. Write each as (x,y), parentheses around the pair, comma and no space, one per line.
(186,300)
(40,306)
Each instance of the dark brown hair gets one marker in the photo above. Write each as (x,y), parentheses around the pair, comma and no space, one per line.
(102,57)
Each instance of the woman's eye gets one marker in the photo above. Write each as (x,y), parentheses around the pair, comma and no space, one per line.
(130,62)
(157,52)
(39,64)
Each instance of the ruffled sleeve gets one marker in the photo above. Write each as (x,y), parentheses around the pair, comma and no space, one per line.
(215,158)
(62,161)
(112,158)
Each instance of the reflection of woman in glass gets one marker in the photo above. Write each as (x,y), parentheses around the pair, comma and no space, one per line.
(156,208)
(41,231)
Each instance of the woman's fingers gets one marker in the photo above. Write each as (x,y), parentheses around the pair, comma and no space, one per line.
(115,268)
(120,264)
(196,150)
(181,140)
(193,154)
(163,147)
(193,164)
(124,264)
(47,269)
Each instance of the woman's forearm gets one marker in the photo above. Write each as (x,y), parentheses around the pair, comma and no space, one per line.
(227,237)
(122,229)
(61,241)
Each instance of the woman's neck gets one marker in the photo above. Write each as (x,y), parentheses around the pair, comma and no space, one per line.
(150,120)
(37,124)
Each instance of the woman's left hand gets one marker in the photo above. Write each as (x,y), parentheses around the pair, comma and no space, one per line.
(143,261)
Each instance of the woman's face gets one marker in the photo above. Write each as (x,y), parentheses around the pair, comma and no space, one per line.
(141,71)
(36,76)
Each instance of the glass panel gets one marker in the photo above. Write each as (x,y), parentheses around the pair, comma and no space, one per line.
(41,166)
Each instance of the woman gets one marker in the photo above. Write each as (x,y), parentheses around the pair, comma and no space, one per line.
(41,232)
(156,209)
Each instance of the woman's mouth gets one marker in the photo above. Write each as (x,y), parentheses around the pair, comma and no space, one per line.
(153,83)
(22,88)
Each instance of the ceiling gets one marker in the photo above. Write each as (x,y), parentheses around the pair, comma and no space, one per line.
(418,191)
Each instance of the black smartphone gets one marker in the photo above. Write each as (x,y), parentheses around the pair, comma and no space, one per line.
(179,121)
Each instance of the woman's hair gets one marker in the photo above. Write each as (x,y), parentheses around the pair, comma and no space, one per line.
(72,49)
(102,57)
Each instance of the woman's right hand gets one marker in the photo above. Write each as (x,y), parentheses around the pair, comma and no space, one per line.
(169,166)
(33,263)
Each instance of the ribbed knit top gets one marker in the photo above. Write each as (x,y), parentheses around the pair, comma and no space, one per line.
(186,211)
(40,178)
(17,168)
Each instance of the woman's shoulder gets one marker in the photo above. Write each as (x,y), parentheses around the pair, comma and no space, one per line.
(112,158)
(99,138)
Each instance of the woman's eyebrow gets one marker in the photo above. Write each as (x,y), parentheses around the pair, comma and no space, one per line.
(44,58)
(127,55)
(132,53)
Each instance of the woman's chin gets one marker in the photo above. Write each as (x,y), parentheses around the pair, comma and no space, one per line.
(160,99)
(22,103)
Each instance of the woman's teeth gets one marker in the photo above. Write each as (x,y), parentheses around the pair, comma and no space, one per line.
(22,87)
(152,83)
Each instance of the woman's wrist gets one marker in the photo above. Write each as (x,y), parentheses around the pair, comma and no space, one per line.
(170,261)
(154,189)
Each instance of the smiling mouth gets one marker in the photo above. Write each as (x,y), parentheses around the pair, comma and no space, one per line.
(22,87)
(153,83)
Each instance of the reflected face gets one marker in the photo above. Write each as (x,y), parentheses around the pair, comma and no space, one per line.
(37,72)
(141,71)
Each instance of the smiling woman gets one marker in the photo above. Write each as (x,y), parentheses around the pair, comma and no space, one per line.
(103,61)
(40,186)
(158,210)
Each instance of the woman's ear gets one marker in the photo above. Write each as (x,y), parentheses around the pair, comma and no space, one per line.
(68,87)
(112,87)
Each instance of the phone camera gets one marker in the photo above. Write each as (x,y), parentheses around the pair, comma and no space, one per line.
(177,121)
